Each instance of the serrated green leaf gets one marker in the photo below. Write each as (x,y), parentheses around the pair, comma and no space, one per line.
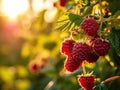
(75,19)
(68,22)
(61,26)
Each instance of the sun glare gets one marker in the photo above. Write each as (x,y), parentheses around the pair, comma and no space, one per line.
(12,8)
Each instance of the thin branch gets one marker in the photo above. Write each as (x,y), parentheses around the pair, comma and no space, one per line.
(111,79)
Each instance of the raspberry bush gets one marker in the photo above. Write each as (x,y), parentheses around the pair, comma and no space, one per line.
(68,45)
(92,26)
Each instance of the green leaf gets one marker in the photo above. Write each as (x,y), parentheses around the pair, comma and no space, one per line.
(114,38)
(68,22)
(114,57)
(101,86)
(76,19)
(117,13)
(114,5)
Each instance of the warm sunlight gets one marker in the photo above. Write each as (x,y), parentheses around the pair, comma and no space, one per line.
(14,8)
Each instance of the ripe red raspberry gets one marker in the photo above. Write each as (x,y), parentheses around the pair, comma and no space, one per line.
(86,82)
(71,65)
(62,3)
(100,47)
(67,47)
(80,51)
(92,57)
(90,26)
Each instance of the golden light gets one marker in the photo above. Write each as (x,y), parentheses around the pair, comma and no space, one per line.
(12,8)
(38,5)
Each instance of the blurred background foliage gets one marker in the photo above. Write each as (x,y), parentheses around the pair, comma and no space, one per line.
(30,57)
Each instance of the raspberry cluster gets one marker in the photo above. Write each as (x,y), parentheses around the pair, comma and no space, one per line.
(100,47)
(90,51)
(76,53)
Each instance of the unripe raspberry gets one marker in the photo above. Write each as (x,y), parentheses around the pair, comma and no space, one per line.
(72,65)
(34,66)
(86,82)
(67,47)
(80,51)
(92,57)
(90,26)
(100,47)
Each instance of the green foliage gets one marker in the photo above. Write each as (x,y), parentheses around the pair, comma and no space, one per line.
(115,20)
(114,5)
(50,45)
(38,40)
(76,19)
(68,22)
(114,38)
(101,86)
(114,57)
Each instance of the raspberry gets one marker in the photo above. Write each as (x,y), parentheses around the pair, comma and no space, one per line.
(62,3)
(86,82)
(90,26)
(100,47)
(67,47)
(72,65)
(34,67)
(92,57)
(80,51)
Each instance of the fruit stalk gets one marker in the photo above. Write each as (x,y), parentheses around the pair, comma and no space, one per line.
(83,67)
(111,79)
(100,16)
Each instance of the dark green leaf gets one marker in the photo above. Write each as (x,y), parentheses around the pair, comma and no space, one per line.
(114,5)
(114,57)
(117,13)
(75,19)
(101,86)
(114,38)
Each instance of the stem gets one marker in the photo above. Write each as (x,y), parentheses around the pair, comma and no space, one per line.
(100,17)
(111,78)
(83,67)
